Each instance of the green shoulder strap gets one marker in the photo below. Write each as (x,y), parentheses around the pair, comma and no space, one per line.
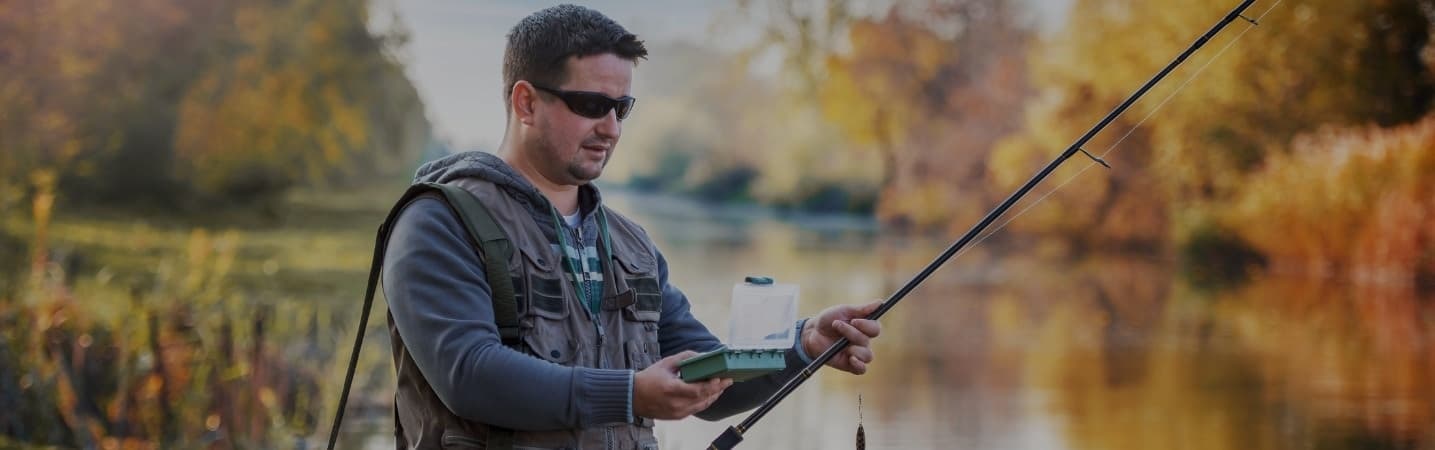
(495,249)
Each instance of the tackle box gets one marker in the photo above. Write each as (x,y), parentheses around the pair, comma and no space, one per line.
(761,328)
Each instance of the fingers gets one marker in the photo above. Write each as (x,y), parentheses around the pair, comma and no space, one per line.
(853,335)
(700,390)
(726,382)
(854,359)
(871,328)
(659,393)
(859,332)
(850,312)
(867,309)
(856,366)
(715,387)
(864,354)
(849,322)
(674,359)
(709,388)
(702,395)
(671,362)
(699,407)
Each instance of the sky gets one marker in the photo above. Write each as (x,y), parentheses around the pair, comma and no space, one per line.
(455,52)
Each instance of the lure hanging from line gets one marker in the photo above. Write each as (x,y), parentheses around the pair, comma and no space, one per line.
(733,435)
(861,436)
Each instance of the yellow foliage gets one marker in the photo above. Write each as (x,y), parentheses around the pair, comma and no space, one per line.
(874,93)
(923,206)
(1291,75)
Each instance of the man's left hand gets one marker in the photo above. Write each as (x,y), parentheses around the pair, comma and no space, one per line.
(841,321)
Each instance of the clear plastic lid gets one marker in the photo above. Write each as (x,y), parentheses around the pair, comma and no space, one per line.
(763,314)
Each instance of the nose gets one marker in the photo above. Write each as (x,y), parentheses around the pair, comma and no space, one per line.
(609,126)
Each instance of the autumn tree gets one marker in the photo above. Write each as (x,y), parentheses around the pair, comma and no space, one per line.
(307,92)
(930,89)
(167,101)
(1309,64)
(915,94)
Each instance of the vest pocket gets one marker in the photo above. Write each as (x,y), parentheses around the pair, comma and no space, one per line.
(543,292)
(545,297)
(640,275)
(647,303)
(552,347)
(641,353)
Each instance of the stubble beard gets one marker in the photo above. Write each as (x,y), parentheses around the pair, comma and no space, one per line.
(576,168)
(580,172)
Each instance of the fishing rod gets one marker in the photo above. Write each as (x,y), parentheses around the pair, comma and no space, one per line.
(733,435)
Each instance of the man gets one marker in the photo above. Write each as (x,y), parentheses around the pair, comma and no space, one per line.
(602,330)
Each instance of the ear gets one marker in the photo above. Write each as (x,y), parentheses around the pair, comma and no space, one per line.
(524,98)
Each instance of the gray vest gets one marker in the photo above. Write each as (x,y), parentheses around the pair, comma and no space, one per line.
(556,327)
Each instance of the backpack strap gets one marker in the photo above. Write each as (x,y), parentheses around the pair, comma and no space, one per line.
(494,250)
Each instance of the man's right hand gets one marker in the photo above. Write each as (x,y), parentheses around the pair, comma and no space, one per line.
(659,393)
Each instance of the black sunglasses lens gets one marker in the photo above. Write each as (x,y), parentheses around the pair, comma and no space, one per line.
(590,105)
(624,106)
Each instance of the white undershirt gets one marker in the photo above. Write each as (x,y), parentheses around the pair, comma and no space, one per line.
(572,220)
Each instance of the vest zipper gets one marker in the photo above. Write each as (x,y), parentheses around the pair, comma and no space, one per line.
(583,280)
(608,438)
(581,245)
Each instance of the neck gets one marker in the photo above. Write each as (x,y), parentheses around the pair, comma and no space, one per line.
(564,197)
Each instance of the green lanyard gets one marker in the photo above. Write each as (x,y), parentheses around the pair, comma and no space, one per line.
(579,286)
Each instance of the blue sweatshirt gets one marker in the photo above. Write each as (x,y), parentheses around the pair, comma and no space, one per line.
(439,299)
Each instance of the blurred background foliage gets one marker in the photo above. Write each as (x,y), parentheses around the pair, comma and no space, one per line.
(929,113)
(128,131)
(181,104)
(189,191)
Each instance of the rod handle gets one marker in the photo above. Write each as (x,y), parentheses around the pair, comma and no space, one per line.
(729,439)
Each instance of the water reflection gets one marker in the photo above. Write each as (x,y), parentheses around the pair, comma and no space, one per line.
(1004,350)
(1001,349)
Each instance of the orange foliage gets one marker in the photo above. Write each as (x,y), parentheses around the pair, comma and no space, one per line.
(931,101)
(1358,202)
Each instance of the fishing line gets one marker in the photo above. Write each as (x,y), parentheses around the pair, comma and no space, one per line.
(1112,148)
(734,434)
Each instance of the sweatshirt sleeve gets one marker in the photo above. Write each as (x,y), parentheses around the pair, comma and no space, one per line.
(678,330)
(439,299)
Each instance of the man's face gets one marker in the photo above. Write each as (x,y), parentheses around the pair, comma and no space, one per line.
(573,149)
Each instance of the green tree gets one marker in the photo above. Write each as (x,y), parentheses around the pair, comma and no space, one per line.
(297,102)
(169,101)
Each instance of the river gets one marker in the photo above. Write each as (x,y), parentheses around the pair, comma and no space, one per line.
(1002,349)
(1013,345)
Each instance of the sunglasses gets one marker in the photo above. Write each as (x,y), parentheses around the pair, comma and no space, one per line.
(592,105)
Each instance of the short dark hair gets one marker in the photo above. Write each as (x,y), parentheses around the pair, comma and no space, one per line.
(539,46)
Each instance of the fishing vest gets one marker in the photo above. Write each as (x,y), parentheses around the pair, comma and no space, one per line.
(551,323)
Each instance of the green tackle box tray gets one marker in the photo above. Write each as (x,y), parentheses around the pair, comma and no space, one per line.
(736,364)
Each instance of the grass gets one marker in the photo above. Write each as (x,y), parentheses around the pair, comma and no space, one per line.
(228,329)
